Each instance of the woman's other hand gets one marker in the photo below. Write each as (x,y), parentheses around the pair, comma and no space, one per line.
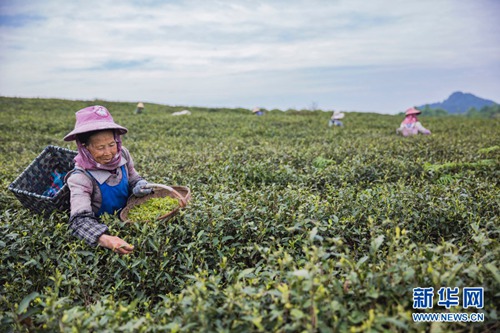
(140,190)
(116,244)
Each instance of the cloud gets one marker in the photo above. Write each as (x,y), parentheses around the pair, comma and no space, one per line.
(16,21)
(311,49)
(120,65)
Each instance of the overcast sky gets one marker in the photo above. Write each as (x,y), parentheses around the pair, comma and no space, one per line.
(352,55)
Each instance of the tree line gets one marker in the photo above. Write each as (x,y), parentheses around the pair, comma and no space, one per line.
(492,111)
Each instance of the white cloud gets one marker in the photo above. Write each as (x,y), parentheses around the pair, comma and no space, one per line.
(104,48)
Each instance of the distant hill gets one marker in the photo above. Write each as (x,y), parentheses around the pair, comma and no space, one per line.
(459,102)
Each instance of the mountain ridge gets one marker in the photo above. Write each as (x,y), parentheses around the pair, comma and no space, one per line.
(459,102)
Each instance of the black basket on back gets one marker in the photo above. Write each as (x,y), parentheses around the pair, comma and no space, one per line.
(34,181)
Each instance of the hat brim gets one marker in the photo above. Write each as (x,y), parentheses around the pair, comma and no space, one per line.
(338,116)
(95,126)
(413,112)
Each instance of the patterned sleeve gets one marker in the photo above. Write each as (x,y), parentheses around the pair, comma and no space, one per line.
(85,226)
(83,222)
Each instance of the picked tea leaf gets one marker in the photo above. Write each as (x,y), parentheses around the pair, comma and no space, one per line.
(152,209)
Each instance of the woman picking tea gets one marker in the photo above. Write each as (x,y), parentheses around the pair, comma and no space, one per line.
(103,178)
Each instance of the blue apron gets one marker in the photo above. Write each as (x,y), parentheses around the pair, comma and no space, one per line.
(115,197)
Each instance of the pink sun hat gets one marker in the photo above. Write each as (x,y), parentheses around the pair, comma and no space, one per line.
(412,111)
(93,118)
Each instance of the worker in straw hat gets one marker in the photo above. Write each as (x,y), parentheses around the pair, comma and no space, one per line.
(139,108)
(335,119)
(103,178)
(410,125)
(257,111)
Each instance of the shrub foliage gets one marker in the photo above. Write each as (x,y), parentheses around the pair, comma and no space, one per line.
(293,226)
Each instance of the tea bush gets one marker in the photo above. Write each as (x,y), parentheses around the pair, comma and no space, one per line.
(293,226)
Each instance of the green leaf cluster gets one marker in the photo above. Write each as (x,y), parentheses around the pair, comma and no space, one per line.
(293,226)
(153,208)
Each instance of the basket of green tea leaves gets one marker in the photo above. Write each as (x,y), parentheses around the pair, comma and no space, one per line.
(161,205)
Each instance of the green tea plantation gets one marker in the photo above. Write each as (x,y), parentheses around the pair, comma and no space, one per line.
(293,226)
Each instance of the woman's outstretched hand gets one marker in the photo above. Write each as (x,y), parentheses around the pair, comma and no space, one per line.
(116,244)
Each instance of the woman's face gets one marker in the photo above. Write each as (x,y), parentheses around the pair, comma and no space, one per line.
(102,146)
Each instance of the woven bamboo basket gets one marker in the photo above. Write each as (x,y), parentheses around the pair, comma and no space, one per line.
(30,185)
(182,193)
